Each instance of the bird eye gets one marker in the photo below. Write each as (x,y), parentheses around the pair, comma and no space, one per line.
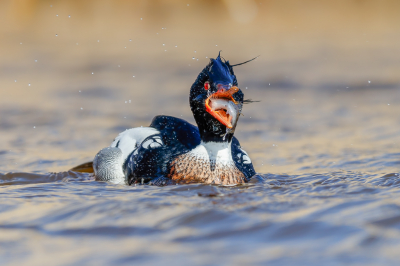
(206,85)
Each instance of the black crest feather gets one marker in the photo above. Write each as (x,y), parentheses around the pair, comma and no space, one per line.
(249,101)
(246,61)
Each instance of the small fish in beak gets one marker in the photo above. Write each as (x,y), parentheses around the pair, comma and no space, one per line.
(223,107)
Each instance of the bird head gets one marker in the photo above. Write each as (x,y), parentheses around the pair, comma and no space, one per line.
(216,101)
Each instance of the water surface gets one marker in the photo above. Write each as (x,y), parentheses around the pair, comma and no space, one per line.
(327,189)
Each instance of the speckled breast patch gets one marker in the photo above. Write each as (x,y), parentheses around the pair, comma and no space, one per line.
(190,169)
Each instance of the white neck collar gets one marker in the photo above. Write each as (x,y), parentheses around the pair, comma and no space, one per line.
(217,152)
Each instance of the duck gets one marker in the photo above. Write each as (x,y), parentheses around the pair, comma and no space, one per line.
(173,151)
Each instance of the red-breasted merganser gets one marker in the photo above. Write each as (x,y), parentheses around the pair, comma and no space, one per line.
(172,151)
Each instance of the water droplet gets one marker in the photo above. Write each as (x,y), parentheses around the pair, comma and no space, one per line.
(163,44)
(206,56)
(81,108)
(369,81)
(92,73)
(20,43)
(133,76)
(246,88)
(187,4)
(216,45)
(35,60)
(130,40)
(57,15)
(129,101)
(69,16)
(51,5)
(126,101)
(193,58)
(29,84)
(141,18)
(77,43)
(194,51)
(165,50)
(34,126)
(176,45)
(15,80)
(56,35)
(98,40)
(197,59)
(79,91)
(119,65)
(269,84)
(388,103)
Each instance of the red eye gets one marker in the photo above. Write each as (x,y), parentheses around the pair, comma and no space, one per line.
(206,85)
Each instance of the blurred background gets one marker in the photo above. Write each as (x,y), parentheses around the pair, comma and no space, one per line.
(324,137)
(75,73)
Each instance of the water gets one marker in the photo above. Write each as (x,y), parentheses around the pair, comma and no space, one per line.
(327,191)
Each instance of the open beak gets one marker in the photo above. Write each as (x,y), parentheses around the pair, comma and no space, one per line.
(223,107)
